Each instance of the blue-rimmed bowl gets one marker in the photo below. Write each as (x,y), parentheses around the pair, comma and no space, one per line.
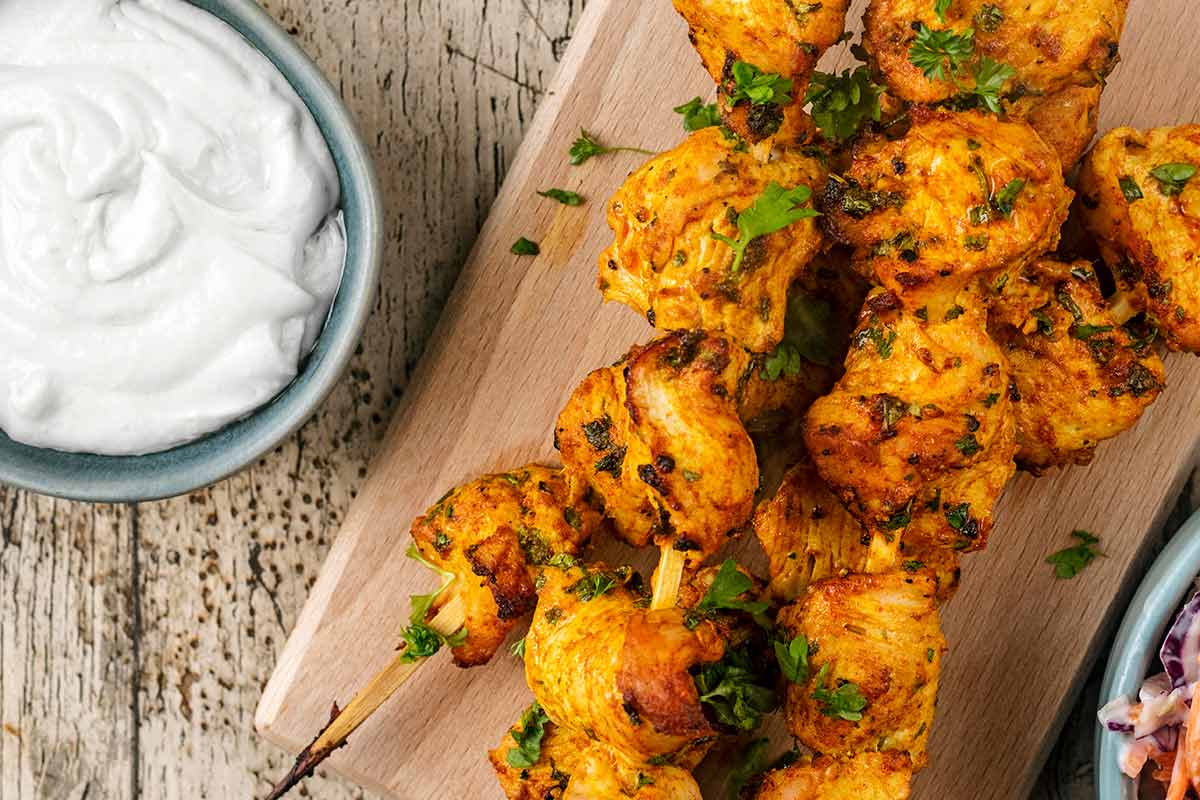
(1134,653)
(190,466)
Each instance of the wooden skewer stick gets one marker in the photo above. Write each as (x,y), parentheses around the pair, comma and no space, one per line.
(668,577)
(448,621)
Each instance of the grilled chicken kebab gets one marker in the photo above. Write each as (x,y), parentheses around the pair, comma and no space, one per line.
(974,350)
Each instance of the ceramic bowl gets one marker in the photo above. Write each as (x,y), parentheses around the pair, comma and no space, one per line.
(208,459)
(1134,655)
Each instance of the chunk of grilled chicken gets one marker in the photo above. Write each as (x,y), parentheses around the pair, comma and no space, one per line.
(665,262)
(865,776)
(1066,120)
(491,534)
(605,663)
(777,36)
(959,196)
(1052,46)
(574,767)
(918,435)
(1147,229)
(1081,378)
(881,633)
(657,436)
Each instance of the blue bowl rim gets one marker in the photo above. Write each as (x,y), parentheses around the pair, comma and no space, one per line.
(1163,590)
(200,463)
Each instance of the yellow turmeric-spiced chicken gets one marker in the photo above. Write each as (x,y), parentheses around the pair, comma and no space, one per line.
(1028,55)
(658,438)
(492,534)
(875,649)
(1140,199)
(601,661)
(666,262)
(958,196)
(781,37)
(571,766)
(1080,377)
(865,776)
(918,435)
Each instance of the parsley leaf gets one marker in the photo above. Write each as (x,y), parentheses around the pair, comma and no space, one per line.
(735,691)
(517,648)
(420,640)
(524,247)
(937,53)
(1172,177)
(807,335)
(563,196)
(775,209)
(1084,331)
(845,700)
(968,445)
(729,584)
(843,104)
(753,761)
(940,7)
(1070,561)
(697,115)
(1130,189)
(990,77)
(989,18)
(587,146)
(528,736)
(793,659)
(751,83)
(1004,199)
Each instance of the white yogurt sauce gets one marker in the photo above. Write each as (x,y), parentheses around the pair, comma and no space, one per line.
(169,234)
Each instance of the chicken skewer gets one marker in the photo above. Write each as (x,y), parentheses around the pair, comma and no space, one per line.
(485,539)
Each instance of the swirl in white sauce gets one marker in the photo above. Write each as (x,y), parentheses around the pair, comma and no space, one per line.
(170,240)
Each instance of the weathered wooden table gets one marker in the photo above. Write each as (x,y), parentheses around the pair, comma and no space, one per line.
(135,640)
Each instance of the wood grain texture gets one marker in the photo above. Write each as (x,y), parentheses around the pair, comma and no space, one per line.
(135,642)
(518,333)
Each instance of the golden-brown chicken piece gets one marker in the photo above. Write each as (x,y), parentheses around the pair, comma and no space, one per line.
(571,766)
(491,534)
(865,776)
(1080,377)
(1049,44)
(665,262)
(807,534)
(1066,120)
(783,37)
(920,424)
(603,662)
(875,650)
(1140,200)
(959,196)
(658,438)
(822,310)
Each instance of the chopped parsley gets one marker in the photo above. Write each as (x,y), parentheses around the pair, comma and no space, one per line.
(1172,177)
(875,334)
(751,83)
(901,518)
(775,209)
(940,7)
(990,77)
(938,53)
(968,445)
(793,659)
(988,18)
(913,565)
(844,700)
(738,694)
(697,115)
(528,735)
(1070,561)
(1084,332)
(587,146)
(1130,188)
(807,335)
(420,640)
(517,648)
(842,104)
(525,247)
(729,584)
(611,462)
(1004,199)
(563,196)
(753,761)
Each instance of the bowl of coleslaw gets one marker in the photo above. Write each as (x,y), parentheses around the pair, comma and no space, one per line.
(1148,743)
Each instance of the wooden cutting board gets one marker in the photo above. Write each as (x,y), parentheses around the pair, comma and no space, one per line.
(518,334)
